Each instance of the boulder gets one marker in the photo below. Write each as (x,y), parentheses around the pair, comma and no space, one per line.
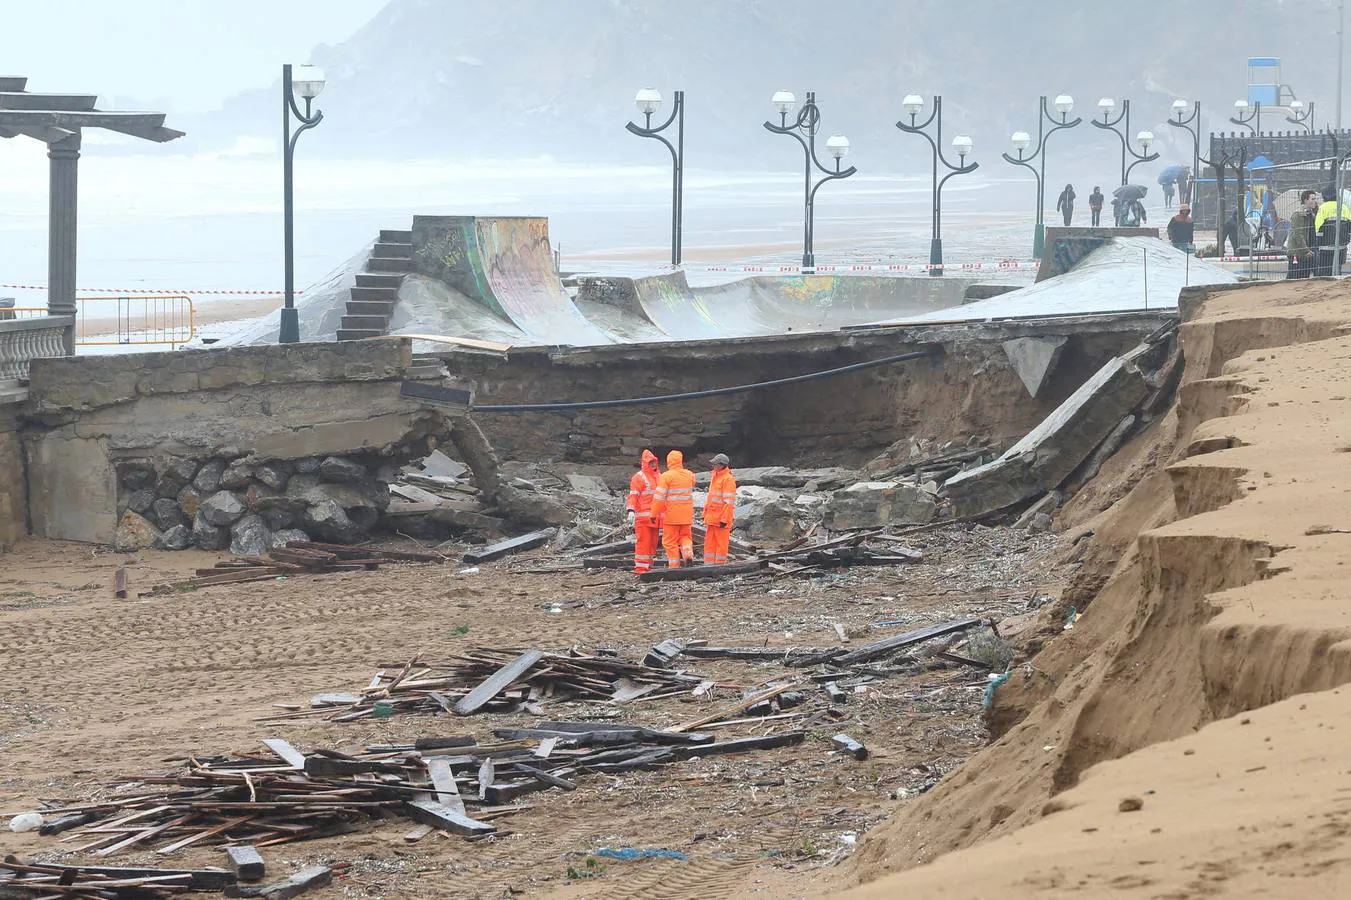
(274,475)
(279,518)
(328,521)
(222,508)
(208,536)
(260,496)
(134,532)
(763,514)
(872,504)
(176,474)
(208,476)
(135,475)
(281,536)
(190,501)
(236,475)
(141,501)
(338,468)
(178,537)
(250,537)
(307,466)
(166,514)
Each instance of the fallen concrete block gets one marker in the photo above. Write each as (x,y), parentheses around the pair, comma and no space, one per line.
(1034,359)
(1047,455)
(873,504)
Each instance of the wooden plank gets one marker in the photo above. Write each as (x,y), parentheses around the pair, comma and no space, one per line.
(200,879)
(509,791)
(511,545)
(438,815)
(546,777)
(291,755)
(691,573)
(546,748)
(487,772)
(246,862)
(729,711)
(145,834)
(742,745)
(443,743)
(120,583)
(203,834)
(342,550)
(443,779)
(849,745)
(900,641)
(497,682)
(418,833)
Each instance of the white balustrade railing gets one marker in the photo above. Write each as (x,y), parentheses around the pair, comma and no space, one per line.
(24,340)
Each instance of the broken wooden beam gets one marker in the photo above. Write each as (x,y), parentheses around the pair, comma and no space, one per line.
(691,573)
(851,746)
(312,877)
(291,755)
(438,815)
(742,745)
(896,642)
(120,583)
(663,654)
(443,780)
(511,545)
(198,879)
(497,682)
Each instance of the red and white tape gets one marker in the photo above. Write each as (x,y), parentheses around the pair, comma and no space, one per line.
(1245,258)
(1004,264)
(146,290)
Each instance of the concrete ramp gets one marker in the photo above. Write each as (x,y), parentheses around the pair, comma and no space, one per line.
(429,306)
(506,264)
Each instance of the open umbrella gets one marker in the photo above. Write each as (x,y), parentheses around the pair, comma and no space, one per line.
(1128,192)
(1170,174)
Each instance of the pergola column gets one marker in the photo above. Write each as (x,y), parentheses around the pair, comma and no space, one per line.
(62,228)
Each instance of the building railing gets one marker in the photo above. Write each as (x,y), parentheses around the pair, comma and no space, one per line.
(132,320)
(23,340)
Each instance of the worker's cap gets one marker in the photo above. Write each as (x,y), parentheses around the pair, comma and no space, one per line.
(721,460)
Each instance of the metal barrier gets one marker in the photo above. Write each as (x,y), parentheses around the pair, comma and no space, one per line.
(134,320)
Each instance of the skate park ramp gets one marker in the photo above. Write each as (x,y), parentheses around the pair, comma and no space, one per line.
(1123,274)
(505,263)
(765,305)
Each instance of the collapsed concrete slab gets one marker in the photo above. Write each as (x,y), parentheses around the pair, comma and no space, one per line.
(1047,455)
(1033,358)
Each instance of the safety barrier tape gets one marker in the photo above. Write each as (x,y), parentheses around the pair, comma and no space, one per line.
(1244,258)
(147,290)
(863,267)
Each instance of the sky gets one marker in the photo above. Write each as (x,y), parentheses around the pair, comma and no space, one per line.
(186,56)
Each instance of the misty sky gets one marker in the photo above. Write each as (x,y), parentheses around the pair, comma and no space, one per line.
(191,53)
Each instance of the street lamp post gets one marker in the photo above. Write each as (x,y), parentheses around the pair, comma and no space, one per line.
(1144,139)
(1249,120)
(306,82)
(1107,105)
(1192,125)
(1303,115)
(837,145)
(1064,105)
(961,145)
(648,102)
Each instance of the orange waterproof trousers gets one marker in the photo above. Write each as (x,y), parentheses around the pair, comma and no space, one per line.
(679,543)
(716,541)
(645,537)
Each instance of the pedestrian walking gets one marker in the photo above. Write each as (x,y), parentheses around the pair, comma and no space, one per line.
(1133,214)
(1181,229)
(1169,187)
(719,512)
(1230,233)
(673,508)
(642,488)
(1299,248)
(1065,204)
(1095,205)
(1116,212)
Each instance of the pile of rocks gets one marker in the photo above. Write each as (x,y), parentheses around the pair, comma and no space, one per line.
(249,506)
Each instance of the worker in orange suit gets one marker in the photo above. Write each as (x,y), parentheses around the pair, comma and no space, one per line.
(673,508)
(642,487)
(719,509)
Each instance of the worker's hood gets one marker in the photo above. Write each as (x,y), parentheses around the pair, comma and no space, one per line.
(675,460)
(649,460)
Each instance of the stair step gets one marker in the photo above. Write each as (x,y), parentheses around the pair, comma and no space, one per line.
(402,251)
(389,264)
(380,294)
(394,235)
(356,334)
(379,323)
(379,279)
(369,308)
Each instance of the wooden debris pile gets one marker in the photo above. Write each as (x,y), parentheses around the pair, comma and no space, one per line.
(495,680)
(41,879)
(452,783)
(296,558)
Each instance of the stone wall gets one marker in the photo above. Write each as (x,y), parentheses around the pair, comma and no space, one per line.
(220,448)
(969,388)
(13,488)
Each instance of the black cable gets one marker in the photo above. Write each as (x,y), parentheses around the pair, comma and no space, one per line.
(713,392)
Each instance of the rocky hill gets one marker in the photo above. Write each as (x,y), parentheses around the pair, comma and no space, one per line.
(532,77)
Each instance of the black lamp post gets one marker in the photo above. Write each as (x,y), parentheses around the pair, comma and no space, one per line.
(837,145)
(648,102)
(1247,119)
(1192,125)
(307,82)
(1107,105)
(914,105)
(1303,115)
(1064,105)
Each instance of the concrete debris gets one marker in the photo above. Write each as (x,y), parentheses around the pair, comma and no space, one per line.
(336,468)
(1045,506)
(872,504)
(134,532)
(764,514)
(1034,359)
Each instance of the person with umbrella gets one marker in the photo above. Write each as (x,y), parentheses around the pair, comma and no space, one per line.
(1132,210)
(1169,179)
(1065,204)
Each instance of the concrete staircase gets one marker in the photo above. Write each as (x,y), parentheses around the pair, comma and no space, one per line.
(377,289)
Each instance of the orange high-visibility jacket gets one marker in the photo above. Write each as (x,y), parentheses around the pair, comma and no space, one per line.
(643,485)
(673,501)
(720,507)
